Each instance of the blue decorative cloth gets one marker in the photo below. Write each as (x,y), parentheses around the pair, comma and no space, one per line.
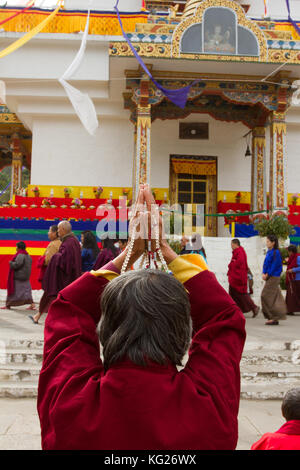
(88,259)
(297,270)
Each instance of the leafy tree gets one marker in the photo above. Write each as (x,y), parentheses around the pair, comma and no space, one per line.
(277,225)
(5,179)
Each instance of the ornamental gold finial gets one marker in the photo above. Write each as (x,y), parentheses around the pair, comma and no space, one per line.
(190,8)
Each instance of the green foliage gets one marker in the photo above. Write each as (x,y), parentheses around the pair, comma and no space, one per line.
(283,281)
(284,254)
(5,178)
(278,225)
(175,245)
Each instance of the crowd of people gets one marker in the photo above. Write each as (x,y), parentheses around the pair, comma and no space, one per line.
(65,259)
(274,306)
(146,320)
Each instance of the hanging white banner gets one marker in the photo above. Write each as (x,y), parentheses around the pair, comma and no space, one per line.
(296,94)
(81,102)
(2,92)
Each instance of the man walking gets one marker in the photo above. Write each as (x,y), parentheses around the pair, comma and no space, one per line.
(238,279)
(64,266)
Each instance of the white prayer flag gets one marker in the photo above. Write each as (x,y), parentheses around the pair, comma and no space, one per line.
(81,102)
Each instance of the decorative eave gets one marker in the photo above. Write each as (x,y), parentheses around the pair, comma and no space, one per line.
(231,98)
(163,50)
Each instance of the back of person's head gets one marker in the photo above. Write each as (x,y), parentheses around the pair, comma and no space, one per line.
(236,241)
(145,316)
(291,404)
(292,249)
(90,242)
(109,244)
(21,246)
(64,227)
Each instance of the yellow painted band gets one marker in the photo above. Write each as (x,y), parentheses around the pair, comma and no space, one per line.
(27,37)
(31,251)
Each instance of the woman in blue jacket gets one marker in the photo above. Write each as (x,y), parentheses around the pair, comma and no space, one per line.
(272,301)
(89,250)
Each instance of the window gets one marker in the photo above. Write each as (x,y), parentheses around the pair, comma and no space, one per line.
(219,33)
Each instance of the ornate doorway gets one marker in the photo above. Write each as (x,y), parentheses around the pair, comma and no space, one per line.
(193,181)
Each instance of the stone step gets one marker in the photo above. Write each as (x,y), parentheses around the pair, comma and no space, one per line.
(267,368)
(19,372)
(18,389)
(260,357)
(23,356)
(268,390)
(24,343)
(256,388)
(267,377)
(273,345)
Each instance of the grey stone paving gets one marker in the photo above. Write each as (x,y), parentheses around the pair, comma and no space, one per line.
(20,428)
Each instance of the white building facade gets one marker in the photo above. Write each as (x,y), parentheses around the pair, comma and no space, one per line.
(65,154)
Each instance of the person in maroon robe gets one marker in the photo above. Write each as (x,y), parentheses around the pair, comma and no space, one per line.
(64,266)
(137,398)
(293,281)
(238,279)
(108,253)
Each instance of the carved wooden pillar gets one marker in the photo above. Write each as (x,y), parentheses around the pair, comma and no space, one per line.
(143,138)
(16,166)
(258,177)
(278,187)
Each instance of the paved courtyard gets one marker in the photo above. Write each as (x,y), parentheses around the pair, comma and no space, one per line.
(20,429)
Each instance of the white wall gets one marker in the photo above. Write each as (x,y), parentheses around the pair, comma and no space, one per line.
(65,154)
(225,142)
(293,161)
(219,254)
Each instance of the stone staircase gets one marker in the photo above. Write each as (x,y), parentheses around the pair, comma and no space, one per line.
(20,364)
(268,370)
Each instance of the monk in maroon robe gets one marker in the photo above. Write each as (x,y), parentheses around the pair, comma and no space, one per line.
(238,279)
(87,404)
(64,266)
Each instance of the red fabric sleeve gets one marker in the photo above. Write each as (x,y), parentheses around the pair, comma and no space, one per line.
(262,443)
(71,348)
(218,340)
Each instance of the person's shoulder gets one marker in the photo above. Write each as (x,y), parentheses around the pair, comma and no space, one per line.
(266,441)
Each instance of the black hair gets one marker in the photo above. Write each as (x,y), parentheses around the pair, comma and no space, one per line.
(54,229)
(145,316)
(291,404)
(21,246)
(292,248)
(109,243)
(90,242)
(236,241)
(274,240)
